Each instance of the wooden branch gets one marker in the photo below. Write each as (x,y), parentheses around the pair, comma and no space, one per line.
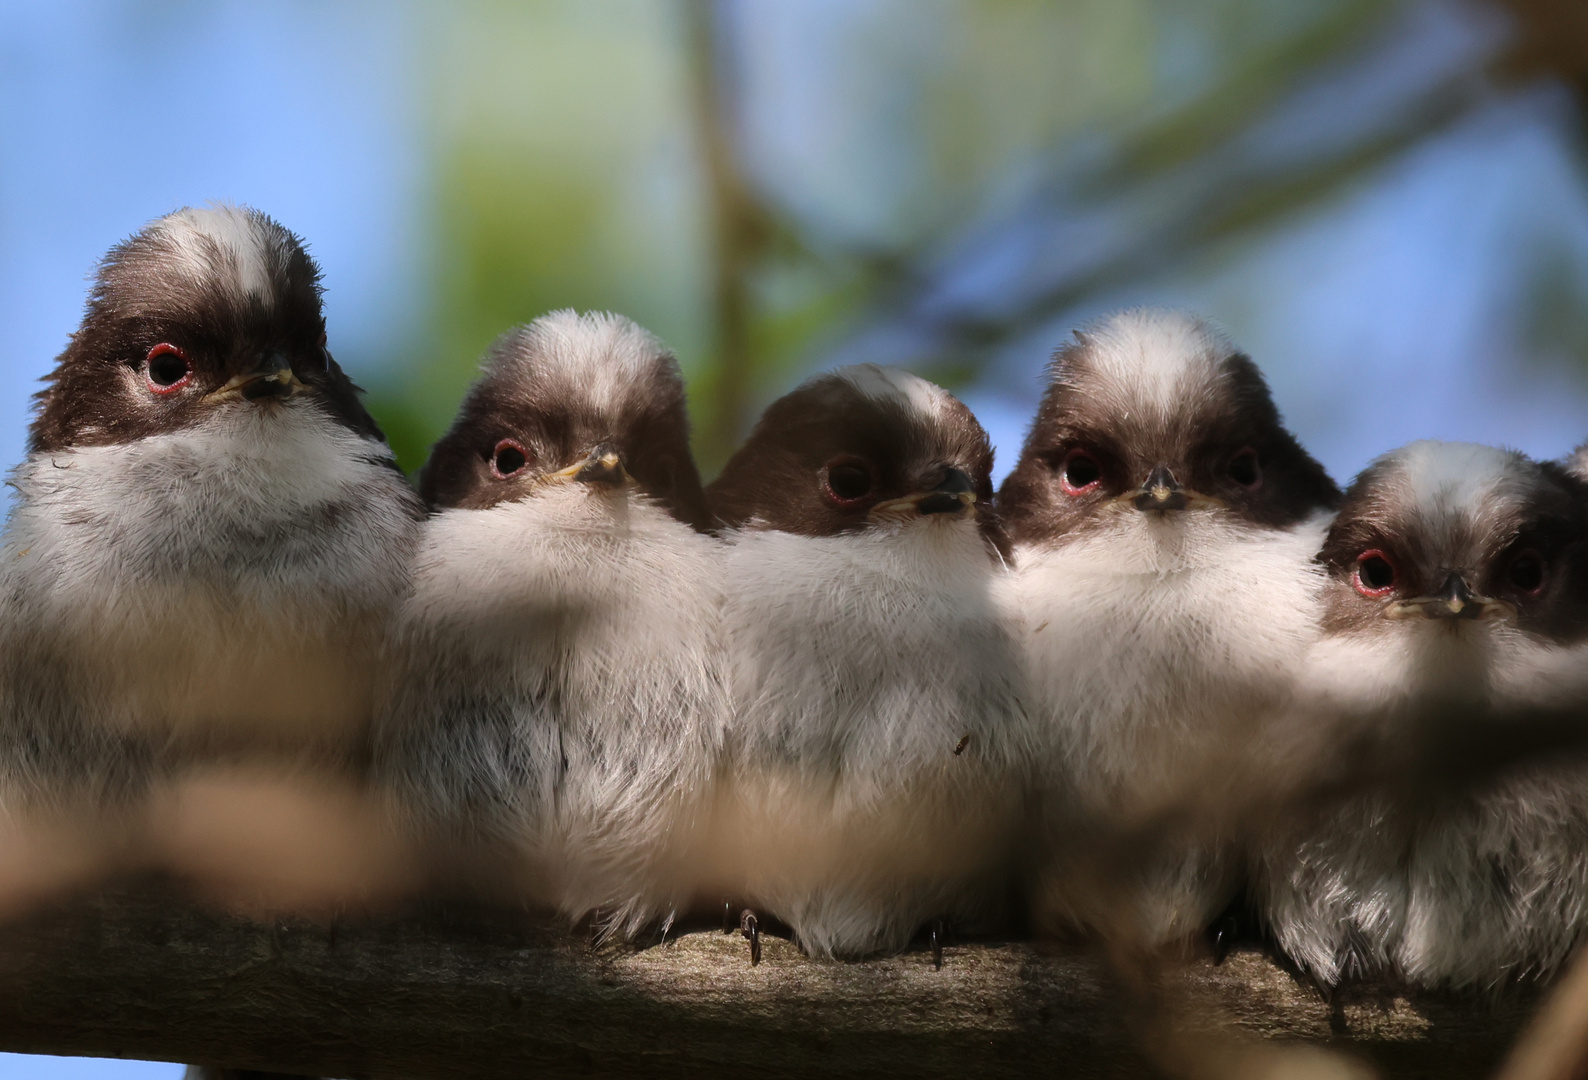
(139,972)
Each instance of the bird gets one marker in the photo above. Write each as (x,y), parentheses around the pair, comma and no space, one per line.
(1457,582)
(1576,462)
(209,531)
(1164,524)
(558,704)
(876,755)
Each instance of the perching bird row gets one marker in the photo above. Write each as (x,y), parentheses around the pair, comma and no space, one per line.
(844,686)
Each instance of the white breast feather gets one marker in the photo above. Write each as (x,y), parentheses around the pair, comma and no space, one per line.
(858,664)
(560,690)
(1468,891)
(221,583)
(1151,649)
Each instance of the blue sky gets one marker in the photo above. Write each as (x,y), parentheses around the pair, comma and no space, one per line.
(42,1067)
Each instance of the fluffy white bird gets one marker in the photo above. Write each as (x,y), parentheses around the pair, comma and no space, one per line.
(1577,462)
(1458,578)
(560,691)
(877,757)
(1164,524)
(209,531)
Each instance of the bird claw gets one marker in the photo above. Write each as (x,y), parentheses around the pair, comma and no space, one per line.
(1224,932)
(750,927)
(936,935)
(727,917)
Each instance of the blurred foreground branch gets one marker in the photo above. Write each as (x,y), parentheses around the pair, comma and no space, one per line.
(139,969)
(137,972)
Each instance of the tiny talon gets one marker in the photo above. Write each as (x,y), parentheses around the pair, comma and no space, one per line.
(750,927)
(937,945)
(1223,938)
(727,917)
(960,749)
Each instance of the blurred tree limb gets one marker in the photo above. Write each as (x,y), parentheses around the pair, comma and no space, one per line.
(538,205)
(139,973)
(1197,176)
(1177,184)
(139,970)
(740,234)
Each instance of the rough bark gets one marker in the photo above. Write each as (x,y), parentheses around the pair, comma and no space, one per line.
(138,972)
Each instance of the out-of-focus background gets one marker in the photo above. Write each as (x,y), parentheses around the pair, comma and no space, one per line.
(1384,201)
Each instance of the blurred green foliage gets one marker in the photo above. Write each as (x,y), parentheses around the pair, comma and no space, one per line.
(572,147)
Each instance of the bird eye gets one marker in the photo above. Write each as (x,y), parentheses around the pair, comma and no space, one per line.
(1245,469)
(1526,573)
(508,458)
(166,369)
(1079,473)
(846,480)
(1374,575)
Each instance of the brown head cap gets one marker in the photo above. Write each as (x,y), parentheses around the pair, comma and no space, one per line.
(841,449)
(1158,410)
(591,396)
(203,310)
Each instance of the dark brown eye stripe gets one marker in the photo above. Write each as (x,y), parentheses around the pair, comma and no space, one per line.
(847,480)
(1526,573)
(1245,469)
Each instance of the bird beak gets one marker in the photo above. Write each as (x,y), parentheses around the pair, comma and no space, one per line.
(1454,600)
(1162,492)
(604,465)
(274,378)
(954,492)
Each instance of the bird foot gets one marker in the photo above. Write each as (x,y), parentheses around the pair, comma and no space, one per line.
(1224,933)
(936,935)
(727,917)
(750,927)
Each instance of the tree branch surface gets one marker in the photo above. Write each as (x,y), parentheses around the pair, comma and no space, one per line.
(139,972)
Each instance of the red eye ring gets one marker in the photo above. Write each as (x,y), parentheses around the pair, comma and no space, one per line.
(1366,588)
(508,459)
(1087,459)
(153,366)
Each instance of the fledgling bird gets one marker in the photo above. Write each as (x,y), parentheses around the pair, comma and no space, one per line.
(877,754)
(1164,523)
(209,531)
(1457,578)
(560,694)
(1576,462)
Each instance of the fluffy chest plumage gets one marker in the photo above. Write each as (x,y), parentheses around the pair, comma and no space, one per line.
(1144,644)
(869,653)
(234,576)
(1466,888)
(573,612)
